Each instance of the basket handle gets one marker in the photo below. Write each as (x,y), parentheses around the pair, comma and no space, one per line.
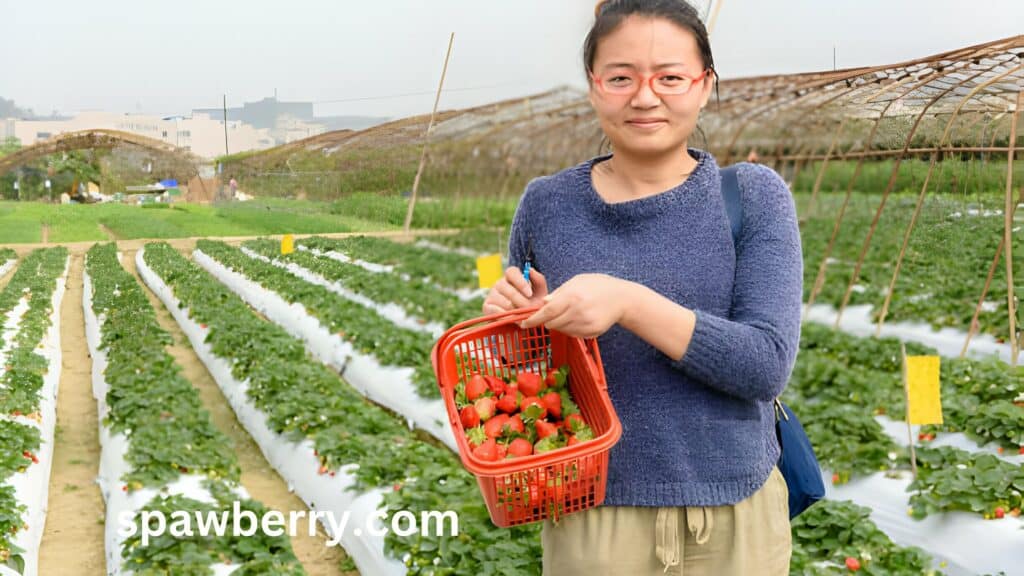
(591,344)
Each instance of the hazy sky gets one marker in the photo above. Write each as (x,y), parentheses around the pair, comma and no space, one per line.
(167,57)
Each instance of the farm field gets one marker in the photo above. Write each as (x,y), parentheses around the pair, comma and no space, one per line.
(226,371)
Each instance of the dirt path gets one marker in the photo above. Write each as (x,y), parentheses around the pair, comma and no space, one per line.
(75,515)
(258,477)
(189,243)
(110,233)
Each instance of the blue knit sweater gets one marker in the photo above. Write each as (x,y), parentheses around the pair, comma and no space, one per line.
(699,431)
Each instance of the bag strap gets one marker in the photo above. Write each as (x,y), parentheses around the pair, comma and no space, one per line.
(732,196)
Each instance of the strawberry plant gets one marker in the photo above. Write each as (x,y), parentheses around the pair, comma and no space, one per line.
(953,479)
(418,297)
(832,537)
(363,327)
(169,432)
(444,269)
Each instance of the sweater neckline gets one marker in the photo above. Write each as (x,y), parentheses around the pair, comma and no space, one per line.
(705,173)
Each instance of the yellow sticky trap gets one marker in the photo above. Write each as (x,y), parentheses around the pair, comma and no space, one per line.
(287,244)
(925,404)
(489,270)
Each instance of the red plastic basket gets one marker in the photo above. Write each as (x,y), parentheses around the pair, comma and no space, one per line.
(548,485)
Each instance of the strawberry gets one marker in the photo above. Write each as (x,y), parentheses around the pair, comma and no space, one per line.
(515,424)
(509,403)
(529,383)
(852,563)
(475,387)
(835,478)
(1022,450)
(493,426)
(545,429)
(476,436)
(520,447)
(488,451)
(572,441)
(495,385)
(470,417)
(502,451)
(532,409)
(322,470)
(574,423)
(999,512)
(484,407)
(550,380)
(553,402)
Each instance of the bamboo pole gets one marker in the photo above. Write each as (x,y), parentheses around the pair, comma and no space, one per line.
(821,171)
(903,249)
(426,139)
(973,327)
(819,280)
(1011,305)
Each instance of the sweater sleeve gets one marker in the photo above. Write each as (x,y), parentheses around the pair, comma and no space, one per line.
(751,354)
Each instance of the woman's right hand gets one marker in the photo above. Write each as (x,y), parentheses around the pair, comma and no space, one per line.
(513,291)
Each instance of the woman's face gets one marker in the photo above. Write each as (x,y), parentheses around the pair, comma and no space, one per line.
(644,122)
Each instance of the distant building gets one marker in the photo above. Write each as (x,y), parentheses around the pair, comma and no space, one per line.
(201,134)
(289,121)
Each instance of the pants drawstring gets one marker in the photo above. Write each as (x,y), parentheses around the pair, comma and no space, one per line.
(699,521)
(667,537)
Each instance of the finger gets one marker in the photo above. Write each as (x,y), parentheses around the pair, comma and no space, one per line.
(564,322)
(515,278)
(514,296)
(498,300)
(538,282)
(550,310)
(491,309)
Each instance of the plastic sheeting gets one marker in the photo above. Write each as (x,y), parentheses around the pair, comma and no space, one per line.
(295,462)
(388,386)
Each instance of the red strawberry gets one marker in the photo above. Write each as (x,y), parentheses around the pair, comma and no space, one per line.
(529,383)
(553,402)
(550,380)
(835,478)
(573,441)
(484,407)
(532,408)
(493,426)
(520,447)
(475,387)
(509,403)
(1022,449)
(515,424)
(573,423)
(495,385)
(999,512)
(488,451)
(852,563)
(502,451)
(322,470)
(545,429)
(470,417)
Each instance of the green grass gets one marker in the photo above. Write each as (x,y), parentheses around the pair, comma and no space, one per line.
(21,222)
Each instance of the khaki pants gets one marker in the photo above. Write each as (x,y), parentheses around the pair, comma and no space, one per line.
(750,537)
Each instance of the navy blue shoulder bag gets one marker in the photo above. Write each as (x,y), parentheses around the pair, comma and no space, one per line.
(798,464)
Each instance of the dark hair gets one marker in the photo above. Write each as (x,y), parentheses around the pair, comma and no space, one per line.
(609,14)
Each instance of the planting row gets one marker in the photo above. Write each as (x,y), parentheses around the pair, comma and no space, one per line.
(31,360)
(7,260)
(161,452)
(419,298)
(362,327)
(339,451)
(437,491)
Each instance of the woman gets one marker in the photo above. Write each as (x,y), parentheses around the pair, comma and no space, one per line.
(697,336)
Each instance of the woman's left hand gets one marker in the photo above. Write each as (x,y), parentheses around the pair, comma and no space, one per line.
(586,306)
